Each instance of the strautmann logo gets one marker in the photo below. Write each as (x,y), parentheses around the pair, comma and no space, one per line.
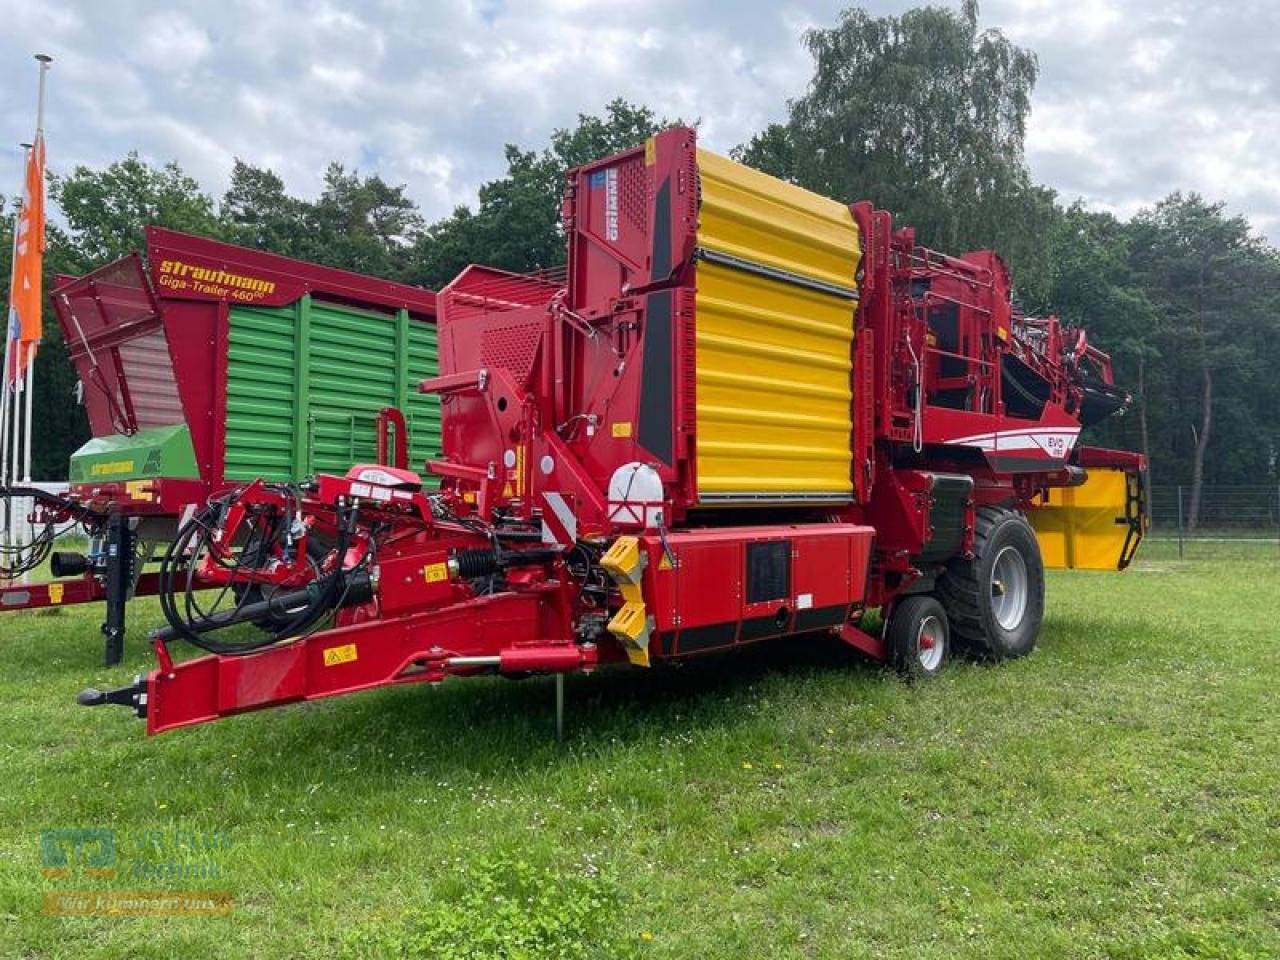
(111,468)
(179,270)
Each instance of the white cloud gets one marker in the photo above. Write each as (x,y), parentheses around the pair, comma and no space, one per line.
(346,82)
(171,45)
(1140,98)
(1135,98)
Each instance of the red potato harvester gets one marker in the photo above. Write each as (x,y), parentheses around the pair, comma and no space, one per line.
(743,411)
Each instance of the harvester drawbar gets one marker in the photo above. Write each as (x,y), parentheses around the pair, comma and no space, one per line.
(744,411)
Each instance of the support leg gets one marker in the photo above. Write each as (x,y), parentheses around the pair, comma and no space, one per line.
(119,582)
(560,707)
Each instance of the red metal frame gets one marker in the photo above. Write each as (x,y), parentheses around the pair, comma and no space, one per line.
(392,450)
(373,653)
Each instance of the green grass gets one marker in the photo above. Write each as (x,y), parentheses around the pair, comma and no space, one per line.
(1117,794)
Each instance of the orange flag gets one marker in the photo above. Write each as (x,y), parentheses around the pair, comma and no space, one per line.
(25,299)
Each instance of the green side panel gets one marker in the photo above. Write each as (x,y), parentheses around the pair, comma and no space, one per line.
(153,452)
(353,376)
(305,384)
(260,393)
(422,410)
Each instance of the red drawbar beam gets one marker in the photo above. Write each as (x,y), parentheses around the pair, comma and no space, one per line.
(504,631)
(62,593)
(32,596)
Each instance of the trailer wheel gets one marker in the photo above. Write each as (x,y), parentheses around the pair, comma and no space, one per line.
(996,600)
(918,637)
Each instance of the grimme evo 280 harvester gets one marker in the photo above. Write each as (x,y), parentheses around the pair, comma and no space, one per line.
(743,411)
(205,365)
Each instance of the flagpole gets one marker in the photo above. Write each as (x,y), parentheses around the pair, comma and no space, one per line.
(6,401)
(19,393)
(8,349)
(44,60)
(12,384)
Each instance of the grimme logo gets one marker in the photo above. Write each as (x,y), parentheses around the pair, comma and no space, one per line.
(611,204)
(609,180)
(91,850)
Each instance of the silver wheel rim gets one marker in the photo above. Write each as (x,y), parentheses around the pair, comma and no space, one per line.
(930,643)
(1009,588)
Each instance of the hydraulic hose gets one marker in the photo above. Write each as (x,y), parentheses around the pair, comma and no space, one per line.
(22,558)
(319,598)
(356,589)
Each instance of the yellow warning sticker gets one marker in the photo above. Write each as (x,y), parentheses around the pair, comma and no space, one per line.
(519,469)
(665,562)
(435,572)
(55,592)
(140,490)
(650,152)
(343,654)
(622,430)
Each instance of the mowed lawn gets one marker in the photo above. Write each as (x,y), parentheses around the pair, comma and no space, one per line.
(1117,794)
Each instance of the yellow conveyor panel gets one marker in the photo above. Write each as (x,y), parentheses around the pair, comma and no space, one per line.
(773,340)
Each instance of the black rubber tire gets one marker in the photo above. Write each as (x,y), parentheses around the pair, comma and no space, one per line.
(966,589)
(903,635)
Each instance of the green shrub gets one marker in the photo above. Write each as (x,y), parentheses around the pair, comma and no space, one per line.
(506,909)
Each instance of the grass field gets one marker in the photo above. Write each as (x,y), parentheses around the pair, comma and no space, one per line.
(1117,794)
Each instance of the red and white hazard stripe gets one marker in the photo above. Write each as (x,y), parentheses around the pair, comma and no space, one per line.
(559,522)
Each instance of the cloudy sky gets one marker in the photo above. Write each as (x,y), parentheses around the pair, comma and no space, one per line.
(1135,98)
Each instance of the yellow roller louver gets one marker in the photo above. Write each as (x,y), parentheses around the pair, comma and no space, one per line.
(773,339)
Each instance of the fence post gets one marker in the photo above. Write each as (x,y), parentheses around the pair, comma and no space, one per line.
(1179,521)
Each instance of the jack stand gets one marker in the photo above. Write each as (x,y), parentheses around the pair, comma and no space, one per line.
(560,707)
(119,583)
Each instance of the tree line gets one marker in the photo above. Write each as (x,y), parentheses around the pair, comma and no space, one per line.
(924,113)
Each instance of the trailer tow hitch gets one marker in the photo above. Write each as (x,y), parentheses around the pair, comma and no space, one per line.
(134,696)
